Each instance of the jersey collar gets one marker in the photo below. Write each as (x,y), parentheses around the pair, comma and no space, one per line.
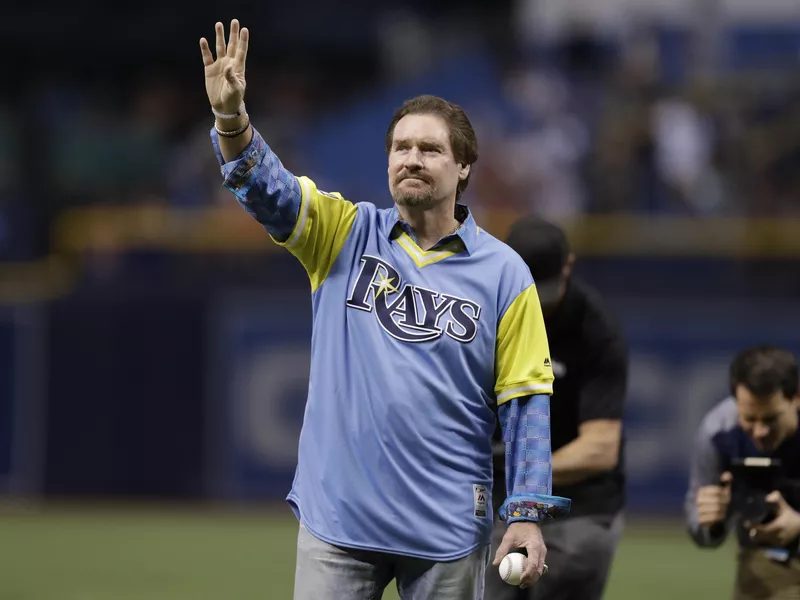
(468,232)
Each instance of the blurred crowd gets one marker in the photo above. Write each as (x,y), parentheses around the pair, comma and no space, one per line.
(605,131)
(593,128)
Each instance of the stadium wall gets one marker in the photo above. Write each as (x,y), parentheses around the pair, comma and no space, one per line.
(181,375)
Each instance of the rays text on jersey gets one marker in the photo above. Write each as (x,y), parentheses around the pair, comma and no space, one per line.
(411,313)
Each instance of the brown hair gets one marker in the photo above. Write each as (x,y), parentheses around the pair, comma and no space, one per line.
(765,370)
(463,140)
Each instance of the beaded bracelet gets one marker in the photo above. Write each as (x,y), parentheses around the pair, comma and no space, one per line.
(235,132)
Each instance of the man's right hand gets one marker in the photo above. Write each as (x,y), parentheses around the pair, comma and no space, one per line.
(713,501)
(225,82)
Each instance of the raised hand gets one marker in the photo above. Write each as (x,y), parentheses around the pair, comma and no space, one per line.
(225,82)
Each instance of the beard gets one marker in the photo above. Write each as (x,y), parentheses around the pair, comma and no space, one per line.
(422,196)
(415,198)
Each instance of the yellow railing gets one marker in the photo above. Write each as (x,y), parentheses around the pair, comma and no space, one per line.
(226,229)
(105,229)
(229,229)
(35,281)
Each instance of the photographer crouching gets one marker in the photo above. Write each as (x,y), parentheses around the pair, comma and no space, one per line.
(745,474)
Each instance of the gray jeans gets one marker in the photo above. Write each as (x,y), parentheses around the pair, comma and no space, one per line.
(580,551)
(327,572)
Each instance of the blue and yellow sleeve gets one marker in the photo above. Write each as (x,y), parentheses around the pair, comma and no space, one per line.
(522,357)
(323,224)
(311,224)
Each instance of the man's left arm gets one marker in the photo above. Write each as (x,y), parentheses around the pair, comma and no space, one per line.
(600,410)
(525,422)
(524,382)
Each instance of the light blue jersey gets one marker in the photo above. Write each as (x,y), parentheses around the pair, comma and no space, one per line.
(412,351)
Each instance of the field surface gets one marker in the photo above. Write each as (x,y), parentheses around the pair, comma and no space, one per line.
(159,554)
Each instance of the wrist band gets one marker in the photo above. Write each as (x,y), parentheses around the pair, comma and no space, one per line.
(220,115)
(235,132)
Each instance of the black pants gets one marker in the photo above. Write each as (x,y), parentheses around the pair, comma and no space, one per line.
(580,551)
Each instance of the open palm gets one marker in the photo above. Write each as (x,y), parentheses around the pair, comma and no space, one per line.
(225,82)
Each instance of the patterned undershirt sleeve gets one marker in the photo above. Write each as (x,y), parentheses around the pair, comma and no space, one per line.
(529,483)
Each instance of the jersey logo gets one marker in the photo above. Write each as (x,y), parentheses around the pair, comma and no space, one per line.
(480,496)
(411,313)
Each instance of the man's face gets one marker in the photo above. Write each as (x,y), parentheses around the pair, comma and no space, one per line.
(422,169)
(768,421)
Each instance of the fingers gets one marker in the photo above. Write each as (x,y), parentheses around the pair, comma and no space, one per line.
(220,33)
(753,533)
(712,492)
(239,41)
(766,529)
(241,49)
(709,519)
(768,533)
(775,497)
(711,510)
(712,503)
(534,565)
(530,575)
(502,550)
(233,38)
(205,52)
(726,478)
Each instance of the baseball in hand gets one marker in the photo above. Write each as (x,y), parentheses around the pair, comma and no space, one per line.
(511,568)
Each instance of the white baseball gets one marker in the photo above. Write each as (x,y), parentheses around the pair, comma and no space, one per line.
(511,568)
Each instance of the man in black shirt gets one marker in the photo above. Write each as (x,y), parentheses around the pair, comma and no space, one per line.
(590,364)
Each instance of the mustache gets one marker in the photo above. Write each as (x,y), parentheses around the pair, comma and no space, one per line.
(415,175)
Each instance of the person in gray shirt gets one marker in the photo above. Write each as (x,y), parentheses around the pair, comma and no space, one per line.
(745,474)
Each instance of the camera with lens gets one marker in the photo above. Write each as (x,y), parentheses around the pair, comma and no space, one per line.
(754,478)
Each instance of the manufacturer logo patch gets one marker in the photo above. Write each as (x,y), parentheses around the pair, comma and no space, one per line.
(481,500)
